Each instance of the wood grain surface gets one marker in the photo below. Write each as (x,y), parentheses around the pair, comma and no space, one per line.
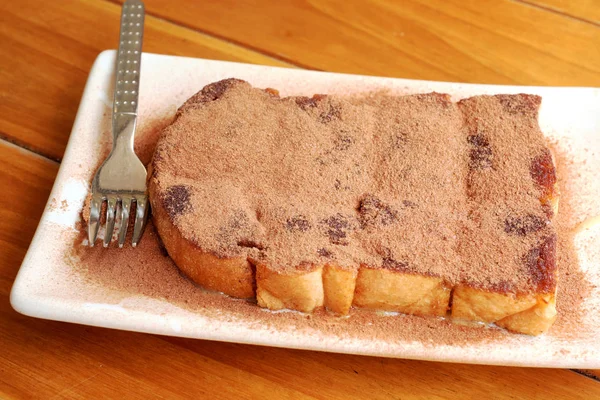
(586,10)
(46,51)
(484,41)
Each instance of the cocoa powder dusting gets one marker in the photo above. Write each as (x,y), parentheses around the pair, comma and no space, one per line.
(378,192)
(442,188)
(507,239)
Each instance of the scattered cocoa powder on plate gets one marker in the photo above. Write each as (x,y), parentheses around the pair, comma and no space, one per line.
(148,271)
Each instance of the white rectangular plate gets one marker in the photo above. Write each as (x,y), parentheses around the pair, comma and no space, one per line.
(47,287)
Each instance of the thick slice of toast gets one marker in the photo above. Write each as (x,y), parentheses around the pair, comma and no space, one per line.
(233,275)
(505,160)
(414,204)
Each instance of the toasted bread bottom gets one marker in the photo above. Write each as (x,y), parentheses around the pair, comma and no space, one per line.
(387,290)
(302,291)
(535,320)
(338,289)
(339,285)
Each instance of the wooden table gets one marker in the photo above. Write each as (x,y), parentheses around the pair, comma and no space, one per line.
(46,51)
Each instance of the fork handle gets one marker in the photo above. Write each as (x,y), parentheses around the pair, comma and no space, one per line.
(127,80)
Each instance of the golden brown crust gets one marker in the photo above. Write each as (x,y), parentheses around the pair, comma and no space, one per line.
(232,276)
(339,285)
(480,305)
(535,320)
(302,291)
(388,290)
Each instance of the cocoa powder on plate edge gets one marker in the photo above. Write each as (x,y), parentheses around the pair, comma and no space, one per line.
(148,271)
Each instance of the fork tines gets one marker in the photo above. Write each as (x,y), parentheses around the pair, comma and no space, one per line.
(117,203)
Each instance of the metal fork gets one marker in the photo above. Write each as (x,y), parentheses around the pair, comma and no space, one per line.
(121,180)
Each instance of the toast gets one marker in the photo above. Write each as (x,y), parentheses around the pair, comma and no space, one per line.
(414,204)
